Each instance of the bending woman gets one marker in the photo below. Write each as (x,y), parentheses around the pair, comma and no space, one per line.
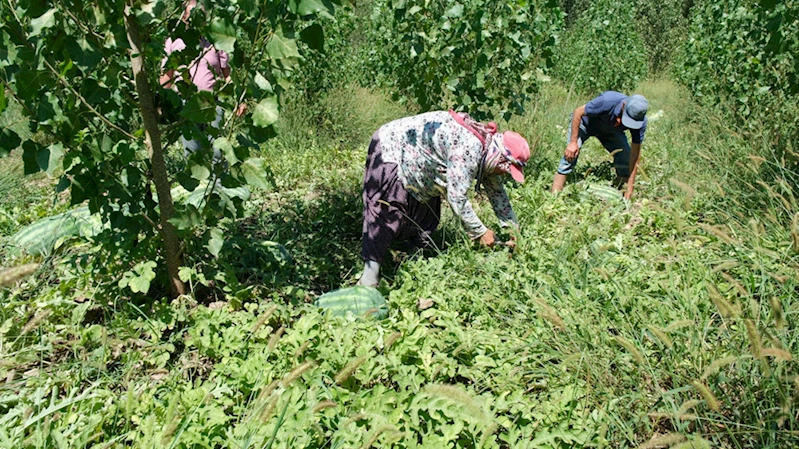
(414,161)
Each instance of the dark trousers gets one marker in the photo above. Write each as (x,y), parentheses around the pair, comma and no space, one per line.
(390,212)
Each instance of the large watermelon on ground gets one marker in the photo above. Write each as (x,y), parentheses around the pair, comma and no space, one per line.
(358,300)
(605,192)
(42,236)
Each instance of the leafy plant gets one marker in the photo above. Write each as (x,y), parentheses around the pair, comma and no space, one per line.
(602,50)
(89,93)
(474,55)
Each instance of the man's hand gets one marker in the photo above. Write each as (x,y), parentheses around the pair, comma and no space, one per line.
(572,150)
(488,238)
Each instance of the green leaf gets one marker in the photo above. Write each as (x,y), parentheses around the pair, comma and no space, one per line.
(150,11)
(262,82)
(8,51)
(30,150)
(223,35)
(314,36)
(201,108)
(281,46)
(215,242)
(83,54)
(139,278)
(199,172)
(223,144)
(9,141)
(49,110)
(266,112)
(50,158)
(186,218)
(455,11)
(308,7)
(3,103)
(254,173)
(46,20)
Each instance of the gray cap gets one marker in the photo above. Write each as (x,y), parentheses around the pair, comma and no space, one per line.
(634,112)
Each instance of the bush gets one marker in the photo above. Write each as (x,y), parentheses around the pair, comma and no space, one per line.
(740,58)
(602,51)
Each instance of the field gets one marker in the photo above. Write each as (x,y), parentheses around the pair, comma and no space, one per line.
(610,324)
(175,308)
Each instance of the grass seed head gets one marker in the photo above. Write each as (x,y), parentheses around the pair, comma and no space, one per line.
(778,354)
(661,335)
(708,396)
(13,274)
(726,309)
(391,340)
(263,318)
(676,325)
(275,337)
(349,369)
(661,441)
(776,311)
(35,321)
(297,372)
(631,348)
(301,350)
(717,365)
(324,405)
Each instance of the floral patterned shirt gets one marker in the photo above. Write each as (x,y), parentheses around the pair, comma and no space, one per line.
(436,156)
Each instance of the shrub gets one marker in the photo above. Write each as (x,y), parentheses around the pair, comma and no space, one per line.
(602,51)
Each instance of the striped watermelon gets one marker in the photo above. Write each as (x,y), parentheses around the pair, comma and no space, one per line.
(42,236)
(358,300)
(605,192)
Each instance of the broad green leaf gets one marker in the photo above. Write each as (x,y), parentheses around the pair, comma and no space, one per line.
(262,82)
(50,158)
(281,46)
(266,112)
(314,36)
(223,35)
(186,218)
(199,172)
(83,54)
(49,110)
(8,50)
(9,141)
(455,11)
(201,108)
(150,11)
(30,150)
(254,173)
(224,145)
(307,7)
(46,20)
(215,242)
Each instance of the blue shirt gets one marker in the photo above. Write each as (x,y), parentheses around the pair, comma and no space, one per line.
(601,114)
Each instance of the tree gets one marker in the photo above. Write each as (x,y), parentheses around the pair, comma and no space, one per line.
(86,75)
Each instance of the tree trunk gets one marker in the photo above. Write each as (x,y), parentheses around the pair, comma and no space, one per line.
(156,154)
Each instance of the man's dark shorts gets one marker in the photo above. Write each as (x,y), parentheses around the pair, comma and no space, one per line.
(612,142)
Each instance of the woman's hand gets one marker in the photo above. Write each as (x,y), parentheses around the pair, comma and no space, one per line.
(488,239)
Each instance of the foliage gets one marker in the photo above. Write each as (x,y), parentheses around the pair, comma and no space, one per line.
(88,108)
(476,55)
(669,321)
(662,24)
(741,57)
(602,50)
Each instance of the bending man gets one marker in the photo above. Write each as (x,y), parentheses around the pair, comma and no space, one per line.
(606,117)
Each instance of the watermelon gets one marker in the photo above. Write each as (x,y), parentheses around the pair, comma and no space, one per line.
(605,192)
(42,236)
(358,300)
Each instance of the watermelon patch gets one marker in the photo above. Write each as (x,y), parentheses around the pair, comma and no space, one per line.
(358,300)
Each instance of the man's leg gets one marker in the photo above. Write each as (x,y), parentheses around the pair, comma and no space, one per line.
(619,146)
(565,167)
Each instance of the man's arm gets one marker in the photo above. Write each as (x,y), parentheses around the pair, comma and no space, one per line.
(572,149)
(635,152)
